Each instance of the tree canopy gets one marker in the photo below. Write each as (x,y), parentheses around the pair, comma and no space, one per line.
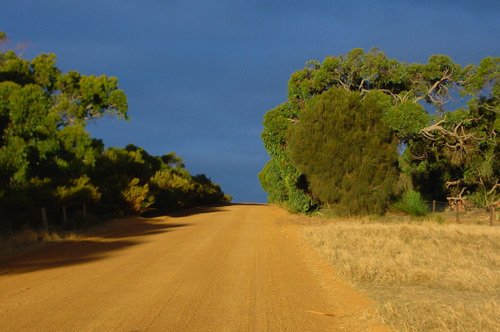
(48,159)
(345,151)
(445,150)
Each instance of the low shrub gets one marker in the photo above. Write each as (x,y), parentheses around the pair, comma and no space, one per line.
(412,203)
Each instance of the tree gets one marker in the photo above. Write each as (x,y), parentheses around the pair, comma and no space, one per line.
(43,113)
(346,152)
(280,177)
(439,146)
(48,159)
(358,71)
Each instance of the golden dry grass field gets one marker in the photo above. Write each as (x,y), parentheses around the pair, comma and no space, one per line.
(426,274)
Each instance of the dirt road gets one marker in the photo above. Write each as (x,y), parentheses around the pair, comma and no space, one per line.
(234,268)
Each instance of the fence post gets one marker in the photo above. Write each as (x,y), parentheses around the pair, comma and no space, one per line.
(434,206)
(65,218)
(456,211)
(491,214)
(44,219)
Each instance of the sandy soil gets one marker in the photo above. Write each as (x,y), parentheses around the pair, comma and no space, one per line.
(234,268)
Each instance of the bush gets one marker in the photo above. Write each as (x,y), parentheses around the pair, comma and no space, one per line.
(345,153)
(413,204)
(137,197)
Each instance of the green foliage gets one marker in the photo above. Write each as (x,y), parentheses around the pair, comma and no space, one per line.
(272,182)
(171,186)
(406,119)
(175,188)
(48,159)
(412,204)
(43,113)
(280,178)
(133,181)
(170,159)
(276,124)
(345,151)
(207,192)
(29,132)
(137,197)
(452,146)
(78,191)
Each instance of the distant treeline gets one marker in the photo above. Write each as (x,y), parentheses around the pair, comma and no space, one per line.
(360,131)
(49,161)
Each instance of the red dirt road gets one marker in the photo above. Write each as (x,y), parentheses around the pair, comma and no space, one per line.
(234,268)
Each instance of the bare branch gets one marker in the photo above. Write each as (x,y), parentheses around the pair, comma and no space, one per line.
(494,188)
(453,183)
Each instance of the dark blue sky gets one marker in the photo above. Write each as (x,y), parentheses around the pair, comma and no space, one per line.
(200,75)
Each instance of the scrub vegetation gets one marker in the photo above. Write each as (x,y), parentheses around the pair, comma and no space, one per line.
(50,163)
(360,132)
(29,238)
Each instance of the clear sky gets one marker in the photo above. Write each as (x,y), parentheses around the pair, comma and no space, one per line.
(200,75)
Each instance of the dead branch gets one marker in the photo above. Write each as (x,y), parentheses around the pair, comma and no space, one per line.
(495,186)
(457,198)
(453,183)
(437,126)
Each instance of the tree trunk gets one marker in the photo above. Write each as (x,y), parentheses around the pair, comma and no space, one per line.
(65,218)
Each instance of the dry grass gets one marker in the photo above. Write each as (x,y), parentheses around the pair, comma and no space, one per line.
(425,276)
(29,239)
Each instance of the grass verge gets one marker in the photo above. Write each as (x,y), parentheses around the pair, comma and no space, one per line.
(28,239)
(424,276)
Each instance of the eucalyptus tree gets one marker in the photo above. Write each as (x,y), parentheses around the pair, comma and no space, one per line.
(48,159)
(43,114)
(443,150)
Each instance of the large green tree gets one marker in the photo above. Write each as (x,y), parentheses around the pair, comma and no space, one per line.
(49,160)
(43,114)
(280,177)
(445,151)
(43,142)
(345,150)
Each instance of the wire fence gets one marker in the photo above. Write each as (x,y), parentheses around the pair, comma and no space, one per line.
(458,207)
(436,206)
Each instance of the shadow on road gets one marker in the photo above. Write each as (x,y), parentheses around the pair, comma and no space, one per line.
(128,232)
(114,236)
(198,210)
(135,227)
(251,204)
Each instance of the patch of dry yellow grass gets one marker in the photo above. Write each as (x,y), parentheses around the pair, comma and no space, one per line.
(27,239)
(425,276)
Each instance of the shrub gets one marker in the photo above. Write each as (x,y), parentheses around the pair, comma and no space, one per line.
(137,197)
(413,204)
(344,151)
